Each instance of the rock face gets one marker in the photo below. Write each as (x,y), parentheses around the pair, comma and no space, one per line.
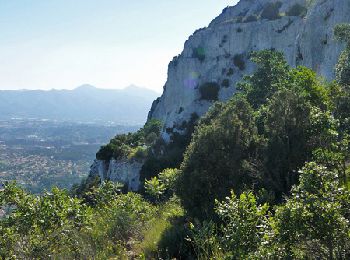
(219,53)
(218,56)
(123,171)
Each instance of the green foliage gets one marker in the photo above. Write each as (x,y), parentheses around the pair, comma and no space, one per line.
(154,188)
(271,11)
(342,33)
(209,91)
(205,241)
(244,224)
(214,161)
(260,138)
(64,227)
(315,220)
(198,53)
(40,226)
(161,187)
(131,145)
(154,245)
(297,10)
(271,75)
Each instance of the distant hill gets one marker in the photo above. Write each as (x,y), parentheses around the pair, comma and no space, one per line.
(85,104)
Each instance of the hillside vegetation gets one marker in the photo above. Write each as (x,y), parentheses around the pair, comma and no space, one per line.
(265,176)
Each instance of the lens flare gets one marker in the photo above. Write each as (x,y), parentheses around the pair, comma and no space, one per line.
(192,80)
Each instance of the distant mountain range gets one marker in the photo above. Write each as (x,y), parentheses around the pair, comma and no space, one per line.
(84,104)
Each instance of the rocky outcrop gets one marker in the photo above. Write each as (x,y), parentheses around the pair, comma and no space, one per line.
(218,57)
(219,54)
(123,171)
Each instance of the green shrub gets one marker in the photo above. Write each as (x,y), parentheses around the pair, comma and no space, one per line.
(297,10)
(271,11)
(198,53)
(138,153)
(314,220)
(174,242)
(209,91)
(342,34)
(245,224)
(105,153)
(238,61)
(131,145)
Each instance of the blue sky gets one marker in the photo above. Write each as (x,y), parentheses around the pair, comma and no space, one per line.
(59,44)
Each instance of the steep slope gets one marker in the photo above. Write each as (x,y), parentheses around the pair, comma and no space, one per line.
(85,103)
(217,56)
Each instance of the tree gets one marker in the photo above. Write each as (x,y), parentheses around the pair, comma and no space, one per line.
(287,130)
(40,226)
(341,92)
(244,224)
(342,34)
(315,219)
(272,74)
(215,161)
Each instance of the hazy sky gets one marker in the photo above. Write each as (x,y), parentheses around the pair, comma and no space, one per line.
(48,44)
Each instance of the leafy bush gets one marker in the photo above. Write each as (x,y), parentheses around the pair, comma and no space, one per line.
(161,187)
(342,33)
(131,145)
(272,74)
(201,181)
(63,227)
(198,53)
(297,10)
(271,11)
(314,220)
(209,91)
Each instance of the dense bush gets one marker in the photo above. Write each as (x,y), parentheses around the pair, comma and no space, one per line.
(313,221)
(198,53)
(209,91)
(271,11)
(213,161)
(297,10)
(342,33)
(63,227)
(131,145)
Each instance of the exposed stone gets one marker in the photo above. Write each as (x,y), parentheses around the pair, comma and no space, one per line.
(123,171)
(208,56)
(305,41)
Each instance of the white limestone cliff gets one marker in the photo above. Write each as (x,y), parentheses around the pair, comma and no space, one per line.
(123,171)
(304,40)
(209,56)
